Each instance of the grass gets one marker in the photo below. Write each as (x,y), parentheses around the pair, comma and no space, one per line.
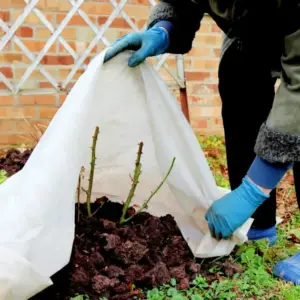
(215,152)
(256,258)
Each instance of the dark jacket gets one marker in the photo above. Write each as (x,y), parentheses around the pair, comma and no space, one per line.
(274,27)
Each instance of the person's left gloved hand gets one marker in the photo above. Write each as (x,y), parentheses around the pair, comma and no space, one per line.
(234,209)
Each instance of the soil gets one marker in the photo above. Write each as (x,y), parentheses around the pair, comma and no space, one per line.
(108,259)
(122,261)
(14,161)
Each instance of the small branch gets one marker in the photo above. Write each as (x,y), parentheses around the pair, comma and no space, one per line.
(78,198)
(135,181)
(78,194)
(92,171)
(145,204)
(96,211)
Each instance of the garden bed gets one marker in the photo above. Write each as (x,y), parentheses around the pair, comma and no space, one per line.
(115,261)
(147,257)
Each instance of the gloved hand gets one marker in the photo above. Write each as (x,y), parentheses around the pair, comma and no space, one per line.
(234,209)
(152,42)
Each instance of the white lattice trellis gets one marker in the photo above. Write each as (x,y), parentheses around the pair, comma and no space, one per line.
(31,7)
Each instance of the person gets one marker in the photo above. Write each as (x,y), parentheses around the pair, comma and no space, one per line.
(262,128)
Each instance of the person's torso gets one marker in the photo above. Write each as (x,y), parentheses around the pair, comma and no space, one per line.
(256,24)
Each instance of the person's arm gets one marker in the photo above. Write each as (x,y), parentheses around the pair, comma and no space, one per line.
(172,28)
(183,17)
(278,143)
(279,138)
(234,209)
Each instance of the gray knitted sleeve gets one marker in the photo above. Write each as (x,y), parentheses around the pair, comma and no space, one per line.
(185,15)
(163,11)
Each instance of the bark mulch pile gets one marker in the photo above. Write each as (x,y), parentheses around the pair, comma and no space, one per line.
(120,261)
(114,261)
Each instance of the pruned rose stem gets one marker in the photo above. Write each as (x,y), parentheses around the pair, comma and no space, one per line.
(92,171)
(78,193)
(135,181)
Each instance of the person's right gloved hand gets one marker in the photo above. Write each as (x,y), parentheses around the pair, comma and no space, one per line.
(152,42)
(231,211)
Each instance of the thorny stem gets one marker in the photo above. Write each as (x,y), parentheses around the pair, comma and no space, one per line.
(135,181)
(91,178)
(78,197)
(78,193)
(146,202)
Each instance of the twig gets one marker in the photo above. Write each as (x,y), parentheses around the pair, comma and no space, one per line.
(78,197)
(78,194)
(36,128)
(96,210)
(92,171)
(146,202)
(218,258)
(135,181)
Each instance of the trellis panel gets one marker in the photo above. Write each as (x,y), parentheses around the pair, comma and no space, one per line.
(56,35)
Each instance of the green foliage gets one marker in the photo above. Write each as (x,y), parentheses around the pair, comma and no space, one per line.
(3,176)
(80,297)
(215,152)
(155,294)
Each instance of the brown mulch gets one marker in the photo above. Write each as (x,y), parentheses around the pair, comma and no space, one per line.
(121,261)
(14,160)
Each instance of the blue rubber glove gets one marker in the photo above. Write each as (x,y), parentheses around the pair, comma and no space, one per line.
(152,42)
(289,269)
(234,209)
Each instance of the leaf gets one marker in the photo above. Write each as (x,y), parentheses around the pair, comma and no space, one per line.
(3,176)
(248,255)
(200,282)
(173,282)
(242,249)
(172,292)
(79,297)
(197,297)
(178,297)
(155,294)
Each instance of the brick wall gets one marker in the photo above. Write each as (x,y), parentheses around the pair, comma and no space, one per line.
(37,101)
